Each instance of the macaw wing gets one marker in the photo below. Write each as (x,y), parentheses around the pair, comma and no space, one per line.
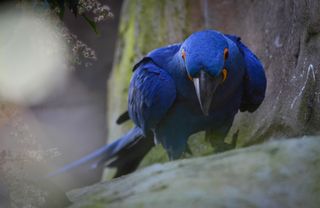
(156,56)
(152,92)
(255,82)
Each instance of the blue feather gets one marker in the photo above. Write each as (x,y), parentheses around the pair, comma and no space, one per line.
(102,154)
(151,94)
(255,82)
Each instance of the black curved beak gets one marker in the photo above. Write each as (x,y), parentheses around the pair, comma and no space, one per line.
(205,86)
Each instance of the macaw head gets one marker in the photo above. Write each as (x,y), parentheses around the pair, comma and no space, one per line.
(204,55)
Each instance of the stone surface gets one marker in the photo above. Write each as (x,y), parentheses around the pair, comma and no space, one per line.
(281,173)
(285,36)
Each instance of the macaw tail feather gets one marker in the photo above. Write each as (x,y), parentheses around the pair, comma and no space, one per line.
(123,118)
(124,154)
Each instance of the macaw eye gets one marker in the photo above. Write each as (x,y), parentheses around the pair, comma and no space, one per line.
(183,54)
(225,53)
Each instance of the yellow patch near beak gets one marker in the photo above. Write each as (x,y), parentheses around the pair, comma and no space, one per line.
(224,74)
(183,55)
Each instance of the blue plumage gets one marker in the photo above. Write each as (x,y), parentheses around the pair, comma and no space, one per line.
(182,89)
(254,81)
(152,91)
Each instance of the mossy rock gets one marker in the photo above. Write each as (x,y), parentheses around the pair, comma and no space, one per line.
(282,173)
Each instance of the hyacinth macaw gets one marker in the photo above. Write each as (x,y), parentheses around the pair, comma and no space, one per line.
(178,90)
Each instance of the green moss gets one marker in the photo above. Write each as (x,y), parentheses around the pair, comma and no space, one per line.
(197,143)
(156,155)
(98,202)
(199,146)
(121,73)
(108,175)
(151,24)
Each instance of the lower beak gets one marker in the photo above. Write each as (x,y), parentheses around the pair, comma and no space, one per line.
(205,87)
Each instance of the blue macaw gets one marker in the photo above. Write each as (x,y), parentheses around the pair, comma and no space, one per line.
(178,90)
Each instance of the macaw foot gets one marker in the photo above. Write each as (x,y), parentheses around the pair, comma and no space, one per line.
(222,146)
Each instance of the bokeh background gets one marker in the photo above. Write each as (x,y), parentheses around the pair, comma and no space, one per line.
(80,115)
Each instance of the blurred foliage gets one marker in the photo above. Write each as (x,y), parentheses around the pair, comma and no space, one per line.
(23,162)
(91,10)
(61,5)
(73,6)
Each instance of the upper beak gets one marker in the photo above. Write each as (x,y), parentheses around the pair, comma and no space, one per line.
(205,86)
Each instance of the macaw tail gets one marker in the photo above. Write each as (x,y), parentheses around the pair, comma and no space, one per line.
(124,154)
(123,118)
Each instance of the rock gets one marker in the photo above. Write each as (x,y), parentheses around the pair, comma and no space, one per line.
(281,173)
(4,195)
(285,36)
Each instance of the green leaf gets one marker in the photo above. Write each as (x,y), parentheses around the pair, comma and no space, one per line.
(91,23)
